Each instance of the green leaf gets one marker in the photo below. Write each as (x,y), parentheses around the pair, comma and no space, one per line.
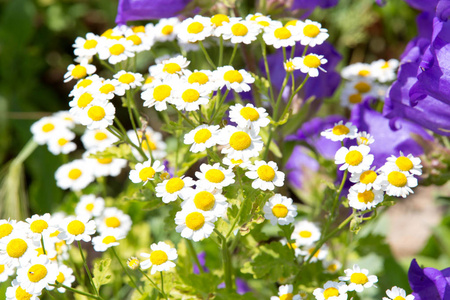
(102,273)
(261,84)
(121,151)
(273,146)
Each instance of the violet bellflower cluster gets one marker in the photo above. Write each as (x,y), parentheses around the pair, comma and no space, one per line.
(429,283)
(132,10)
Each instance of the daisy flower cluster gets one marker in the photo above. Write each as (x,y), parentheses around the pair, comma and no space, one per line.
(364,81)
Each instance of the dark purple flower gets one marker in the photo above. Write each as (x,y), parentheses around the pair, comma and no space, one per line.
(202,259)
(312,4)
(241,286)
(300,165)
(425,5)
(381,2)
(132,10)
(429,283)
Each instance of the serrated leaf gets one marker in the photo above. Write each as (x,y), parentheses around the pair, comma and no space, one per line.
(172,127)
(102,273)
(121,151)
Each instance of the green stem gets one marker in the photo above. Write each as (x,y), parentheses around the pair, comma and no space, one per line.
(286,109)
(153,283)
(87,269)
(292,51)
(227,267)
(125,270)
(185,118)
(304,51)
(266,66)
(222,99)
(233,54)
(162,285)
(74,290)
(42,243)
(284,228)
(106,65)
(220,51)
(194,256)
(208,58)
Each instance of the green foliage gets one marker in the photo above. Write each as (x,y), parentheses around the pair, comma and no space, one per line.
(102,273)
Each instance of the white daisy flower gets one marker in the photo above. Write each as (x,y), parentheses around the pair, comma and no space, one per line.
(286,292)
(17,249)
(145,171)
(237,80)
(305,233)
(235,162)
(331,291)
(385,71)
(364,200)
(281,36)
(313,33)
(84,84)
(265,175)
(79,71)
(8,227)
(37,275)
(397,183)
(81,100)
(133,263)
(321,254)
(404,163)
(340,131)
(165,30)
(254,17)
(290,65)
(356,158)
(107,239)
(242,115)
(357,71)
(364,138)
(280,210)
(15,291)
(310,64)
(151,141)
(160,259)
(195,29)
(116,51)
(332,266)
(99,114)
(265,23)
(66,118)
(75,175)
(98,139)
(141,41)
(202,137)
(214,177)
(129,79)
(44,129)
(242,143)
(194,224)
(217,22)
(240,31)
(204,78)
(356,91)
(359,279)
(207,200)
(147,83)
(109,88)
(78,228)
(86,47)
(170,189)
(38,224)
(189,97)
(366,180)
(65,277)
(397,293)
(61,142)
(5,272)
(112,34)
(90,206)
(105,166)
(159,93)
(171,68)
(114,218)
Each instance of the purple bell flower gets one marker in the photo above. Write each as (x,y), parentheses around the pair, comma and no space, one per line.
(300,165)
(424,5)
(132,10)
(312,4)
(429,283)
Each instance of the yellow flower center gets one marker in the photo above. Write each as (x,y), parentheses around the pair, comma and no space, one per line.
(74,174)
(112,222)
(55,233)
(202,136)
(48,127)
(84,100)
(171,68)
(204,200)
(404,163)
(363,140)
(148,142)
(233,76)
(397,179)
(100,136)
(62,141)
(90,207)
(195,220)
(289,66)
(340,130)
(359,278)
(135,39)
(368,176)
(174,185)
(37,272)
(79,72)
(305,234)
(354,158)
(282,33)
(219,19)
(240,140)
(214,175)
(332,268)
(84,83)
(385,66)
(96,113)
(198,77)
(364,73)
(263,23)
(138,29)
(117,49)
(291,23)
(60,278)
(266,173)
(311,30)
(38,226)
(16,248)
(21,294)
(355,98)
(5,230)
(190,95)
(166,30)
(366,197)
(2,268)
(195,27)
(149,79)
(146,173)
(330,292)
(362,87)
(76,227)
(311,61)
(161,92)
(109,239)
(236,161)
(288,296)
(90,44)
(158,257)
(104,161)
(133,263)
(249,113)
(126,78)
(239,29)
(107,88)
(280,211)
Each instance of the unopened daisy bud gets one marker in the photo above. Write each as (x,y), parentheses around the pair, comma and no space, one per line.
(164,176)
(133,263)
